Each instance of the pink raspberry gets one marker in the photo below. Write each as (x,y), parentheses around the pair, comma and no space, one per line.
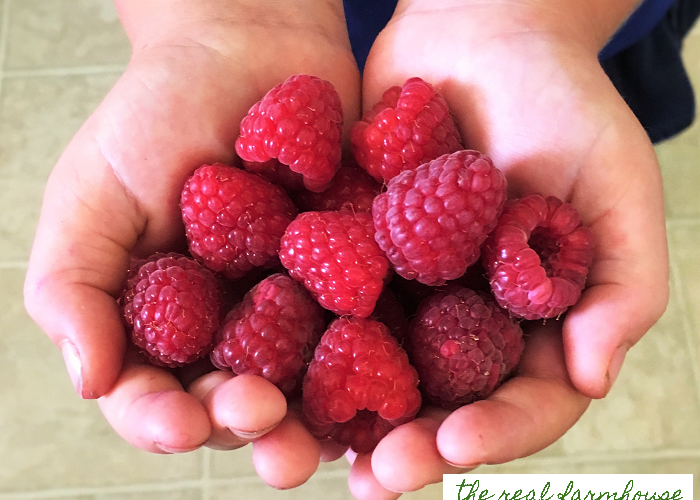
(538,257)
(359,385)
(299,122)
(276,173)
(432,220)
(463,346)
(351,188)
(334,254)
(171,306)
(272,333)
(234,219)
(410,126)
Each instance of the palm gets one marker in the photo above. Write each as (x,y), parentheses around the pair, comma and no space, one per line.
(541,106)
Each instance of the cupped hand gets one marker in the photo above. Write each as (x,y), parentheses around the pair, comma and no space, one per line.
(525,87)
(196,69)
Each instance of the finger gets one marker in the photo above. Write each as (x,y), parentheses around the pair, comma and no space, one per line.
(407,459)
(525,415)
(149,409)
(364,485)
(288,455)
(241,408)
(78,262)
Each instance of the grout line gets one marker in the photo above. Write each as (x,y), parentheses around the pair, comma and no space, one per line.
(82,70)
(206,473)
(683,221)
(4,28)
(103,490)
(14,264)
(608,457)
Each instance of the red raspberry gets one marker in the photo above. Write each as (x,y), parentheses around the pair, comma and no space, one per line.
(276,173)
(334,254)
(171,307)
(463,346)
(359,385)
(410,126)
(234,219)
(351,188)
(538,258)
(299,122)
(432,220)
(271,333)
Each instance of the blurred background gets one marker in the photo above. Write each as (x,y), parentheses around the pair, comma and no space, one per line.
(58,59)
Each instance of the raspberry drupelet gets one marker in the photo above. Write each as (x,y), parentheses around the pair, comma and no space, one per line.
(359,385)
(272,333)
(299,122)
(234,219)
(463,346)
(171,307)
(410,126)
(538,257)
(336,257)
(432,220)
(352,188)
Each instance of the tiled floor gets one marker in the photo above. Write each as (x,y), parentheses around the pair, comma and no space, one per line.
(58,58)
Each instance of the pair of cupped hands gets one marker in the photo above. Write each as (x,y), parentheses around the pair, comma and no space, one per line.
(525,87)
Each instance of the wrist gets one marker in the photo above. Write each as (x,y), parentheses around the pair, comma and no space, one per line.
(588,23)
(160,21)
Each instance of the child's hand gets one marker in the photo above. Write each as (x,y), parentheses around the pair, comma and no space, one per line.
(197,67)
(526,88)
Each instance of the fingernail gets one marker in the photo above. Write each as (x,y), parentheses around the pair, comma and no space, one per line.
(249,436)
(169,450)
(460,466)
(72,359)
(615,364)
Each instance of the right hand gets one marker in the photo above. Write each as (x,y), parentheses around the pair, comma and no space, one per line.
(196,69)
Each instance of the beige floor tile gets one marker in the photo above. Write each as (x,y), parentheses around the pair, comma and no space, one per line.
(19,212)
(685,251)
(39,116)
(316,488)
(50,438)
(175,494)
(642,410)
(64,33)
(232,464)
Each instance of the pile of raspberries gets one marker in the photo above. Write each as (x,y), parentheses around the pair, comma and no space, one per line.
(381,282)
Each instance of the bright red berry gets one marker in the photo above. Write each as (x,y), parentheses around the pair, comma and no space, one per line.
(432,220)
(410,126)
(171,306)
(336,257)
(351,188)
(299,122)
(463,346)
(272,333)
(359,385)
(276,173)
(234,219)
(538,257)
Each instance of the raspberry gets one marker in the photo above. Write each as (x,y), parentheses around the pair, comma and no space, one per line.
(271,333)
(410,126)
(359,385)
(463,346)
(171,305)
(351,188)
(538,257)
(276,173)
(234,219)
(299,122)
(334,254)
(431,221)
